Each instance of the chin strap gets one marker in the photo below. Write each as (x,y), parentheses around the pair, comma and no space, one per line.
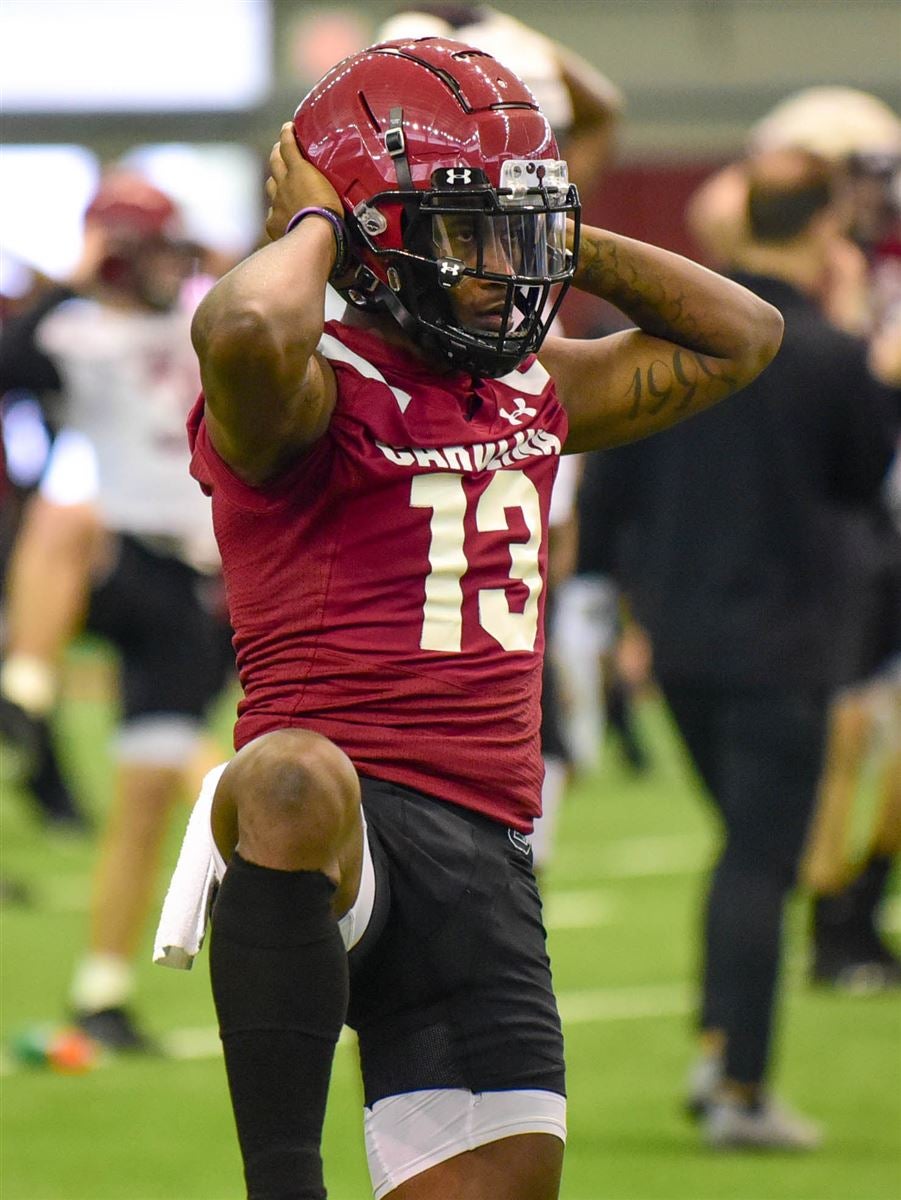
(396,145)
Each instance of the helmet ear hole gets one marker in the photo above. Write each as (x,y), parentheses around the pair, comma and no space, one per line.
(362,292)
(371,220)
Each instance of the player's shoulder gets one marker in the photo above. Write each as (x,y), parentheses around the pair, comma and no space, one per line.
(413,391)
(357,348)
(363,359)
(65,326)
(530,377)
(75,310)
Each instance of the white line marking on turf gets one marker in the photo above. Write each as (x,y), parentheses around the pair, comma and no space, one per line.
(627,858)
(625,1004)
(676,854)
(576,1008)
(578,909)
(187,1044)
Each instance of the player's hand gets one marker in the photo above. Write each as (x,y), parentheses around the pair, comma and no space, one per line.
(294,184)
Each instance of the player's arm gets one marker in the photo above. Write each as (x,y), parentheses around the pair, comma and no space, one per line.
(268,395)
(700,337)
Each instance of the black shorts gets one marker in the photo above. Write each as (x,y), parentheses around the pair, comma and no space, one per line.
(451,982)
(167,622)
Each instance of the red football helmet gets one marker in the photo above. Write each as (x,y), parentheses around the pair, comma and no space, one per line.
(126,202)
(446,169)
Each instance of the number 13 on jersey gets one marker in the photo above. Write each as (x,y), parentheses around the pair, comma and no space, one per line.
(442,617)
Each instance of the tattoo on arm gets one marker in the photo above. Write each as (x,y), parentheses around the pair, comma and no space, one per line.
(605,272)
(675,384)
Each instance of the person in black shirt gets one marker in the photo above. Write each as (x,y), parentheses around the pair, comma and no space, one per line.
(735,542)
(848,877)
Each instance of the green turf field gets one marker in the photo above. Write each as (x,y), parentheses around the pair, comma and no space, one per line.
(621,904)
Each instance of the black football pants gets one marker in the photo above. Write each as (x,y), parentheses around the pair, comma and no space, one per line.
(759,751)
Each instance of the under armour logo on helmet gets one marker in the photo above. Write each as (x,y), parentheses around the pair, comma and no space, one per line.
(450,271)
(464,176)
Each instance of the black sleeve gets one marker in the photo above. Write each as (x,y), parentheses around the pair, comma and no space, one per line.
(22,363)
(866,432)
(604,507)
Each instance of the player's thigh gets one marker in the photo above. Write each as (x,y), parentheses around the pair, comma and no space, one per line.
(527,1167)
(457,992)
(460,1041)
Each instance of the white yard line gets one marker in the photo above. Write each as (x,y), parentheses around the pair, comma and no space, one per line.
(585,909)
(628,858)
(625,1004)
(598,1005)
(625,858)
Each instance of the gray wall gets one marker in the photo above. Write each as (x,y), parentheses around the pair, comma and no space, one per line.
(696,73)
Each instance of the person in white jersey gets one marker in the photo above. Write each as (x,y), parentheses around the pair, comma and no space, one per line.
(119,539)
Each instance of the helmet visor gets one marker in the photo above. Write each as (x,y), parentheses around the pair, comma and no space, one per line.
(527,246)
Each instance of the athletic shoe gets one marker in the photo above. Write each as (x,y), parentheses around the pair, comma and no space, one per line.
(871,970)
(848,951)
(704,1078)
(30,758)
(115,1029)
(729,1125)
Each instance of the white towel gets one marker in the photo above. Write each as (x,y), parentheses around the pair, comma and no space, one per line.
(186,909)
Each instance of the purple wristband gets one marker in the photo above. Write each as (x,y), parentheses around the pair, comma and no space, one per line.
(337,228)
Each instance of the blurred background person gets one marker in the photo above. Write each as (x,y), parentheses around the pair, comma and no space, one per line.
(556,722)
(860,291)
(860,136)
(583,106)
(737,550)
(117,540)
(607,662)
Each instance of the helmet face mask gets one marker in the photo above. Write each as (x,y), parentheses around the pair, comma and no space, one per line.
(465,239)
(513,241)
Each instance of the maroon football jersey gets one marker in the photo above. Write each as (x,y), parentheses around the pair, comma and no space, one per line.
(387,591)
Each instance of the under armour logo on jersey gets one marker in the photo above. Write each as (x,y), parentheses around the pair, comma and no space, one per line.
(520,410)
(464,176)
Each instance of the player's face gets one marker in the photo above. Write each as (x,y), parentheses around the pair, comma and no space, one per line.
(525,244)
(479,304)
(519,244)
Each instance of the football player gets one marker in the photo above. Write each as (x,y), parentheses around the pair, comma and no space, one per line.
(380,492)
